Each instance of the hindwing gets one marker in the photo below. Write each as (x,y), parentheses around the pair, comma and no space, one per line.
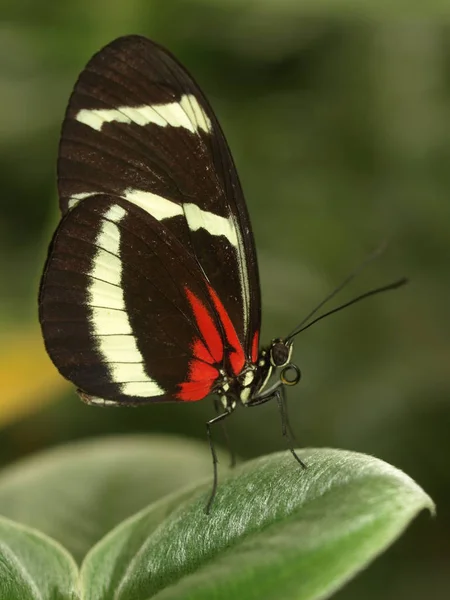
(127,313)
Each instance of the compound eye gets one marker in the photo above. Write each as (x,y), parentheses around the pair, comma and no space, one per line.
(279,353)
(290,375)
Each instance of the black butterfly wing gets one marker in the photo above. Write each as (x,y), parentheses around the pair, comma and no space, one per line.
(125,311)
(139,128)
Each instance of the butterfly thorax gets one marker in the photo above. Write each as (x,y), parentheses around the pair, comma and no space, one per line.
(250,385)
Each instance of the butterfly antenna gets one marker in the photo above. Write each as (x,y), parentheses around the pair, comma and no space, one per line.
(385,288)
(371,257)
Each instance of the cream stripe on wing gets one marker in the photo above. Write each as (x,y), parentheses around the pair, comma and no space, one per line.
(111,327)
(107,295)
(108,319)
(195,112)
(213,224)
(160,208)
(187,113)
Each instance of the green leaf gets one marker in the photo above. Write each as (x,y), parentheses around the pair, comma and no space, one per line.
(275,532)
(34,567)
(79,492)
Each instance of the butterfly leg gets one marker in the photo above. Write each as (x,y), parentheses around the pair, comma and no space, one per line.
(288,422)
(286,429)
(218,406)
(214,456)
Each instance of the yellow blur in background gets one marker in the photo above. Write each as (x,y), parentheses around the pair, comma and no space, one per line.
(338,116)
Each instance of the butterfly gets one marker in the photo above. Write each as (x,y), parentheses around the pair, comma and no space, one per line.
(150,291)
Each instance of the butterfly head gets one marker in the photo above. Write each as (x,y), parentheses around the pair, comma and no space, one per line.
(280,352)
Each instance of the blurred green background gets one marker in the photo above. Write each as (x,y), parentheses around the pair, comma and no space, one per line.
(338,116)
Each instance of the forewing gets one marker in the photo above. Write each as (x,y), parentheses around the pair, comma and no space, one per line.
(139,128)
(117,304)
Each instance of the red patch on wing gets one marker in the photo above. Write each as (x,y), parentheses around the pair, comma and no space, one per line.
(201,351)
(237,356)
(209,351)
(207,327)
(202,374)
(201,371)
(255,344)
(201,378)
(191,391)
